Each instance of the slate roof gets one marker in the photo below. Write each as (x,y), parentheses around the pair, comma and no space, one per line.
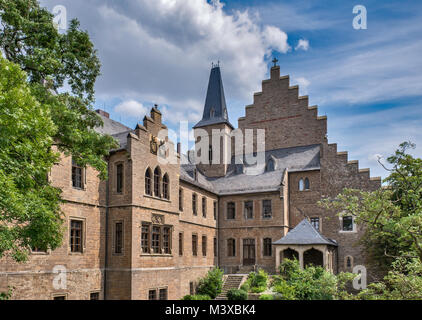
(214,101)
(242,179)
(116,129)
(305,233)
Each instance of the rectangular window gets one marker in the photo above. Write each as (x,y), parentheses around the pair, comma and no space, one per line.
(163,294)
(231,247)
(231,211)
(76,236)
(77,176)
(204,246)
(215,210)
(180,199)
(145,238)
(191,288)
(167,240)
(315,222)
(94,296)
(248,209)
(156,239)
(347,223)
(194,245)
(267,247)
(215,247)
(119,178)
(118,244)
(266,209)
(194,204)
(152,294)
(204,207)
(180,244)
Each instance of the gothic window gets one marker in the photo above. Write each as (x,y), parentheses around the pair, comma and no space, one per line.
(231,247)
(307,185)
(267,247)
(348,262)
(270,165)
(248,209)
(266,209)
(315,222)
(148,189)
(157,178)
(231,211)
(301,185)
(166,193)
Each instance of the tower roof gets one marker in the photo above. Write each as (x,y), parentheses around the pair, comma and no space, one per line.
(215,109)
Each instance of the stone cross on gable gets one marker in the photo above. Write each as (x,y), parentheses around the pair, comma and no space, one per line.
(275,60)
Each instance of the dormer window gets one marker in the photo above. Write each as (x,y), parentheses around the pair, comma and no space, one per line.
(270,165)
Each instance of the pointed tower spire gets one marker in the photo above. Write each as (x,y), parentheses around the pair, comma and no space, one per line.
(215,109)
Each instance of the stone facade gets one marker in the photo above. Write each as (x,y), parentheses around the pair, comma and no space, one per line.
(121,259)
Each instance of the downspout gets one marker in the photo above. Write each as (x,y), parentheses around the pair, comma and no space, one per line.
(106,230)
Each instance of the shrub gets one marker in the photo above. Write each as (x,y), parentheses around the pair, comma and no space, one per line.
(237,294)
(266,297)
(196,297)
(212,284)
(257,281)
(245,287)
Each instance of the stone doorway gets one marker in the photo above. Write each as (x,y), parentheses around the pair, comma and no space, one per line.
(313,257)
(248,252)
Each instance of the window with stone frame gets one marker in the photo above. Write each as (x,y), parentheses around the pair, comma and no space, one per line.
(119,178)
(145,238)
(248,210)
(194,204)
(347,223)
(231,247)
(204,246)
(166,184)
(152,294)
(180,199)
(118,237)
(163,294)
(307,184)
(231,211)
(77,176)
(267,242)
(76,236)
(180,243)
(301,185)
(315,223)
(204,207)
(156,240)
(194,245)
(267,209)
(166,240)
(148,188)
(157,180)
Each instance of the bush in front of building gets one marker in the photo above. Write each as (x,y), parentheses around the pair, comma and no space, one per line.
(237,294)
(266,297)
(197,297)
(257,281)
(212,284)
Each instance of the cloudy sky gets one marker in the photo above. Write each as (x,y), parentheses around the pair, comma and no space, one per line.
(368,82)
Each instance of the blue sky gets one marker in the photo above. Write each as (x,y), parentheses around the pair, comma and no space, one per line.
(368,82)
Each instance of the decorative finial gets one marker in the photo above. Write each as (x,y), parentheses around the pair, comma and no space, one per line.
(275,60)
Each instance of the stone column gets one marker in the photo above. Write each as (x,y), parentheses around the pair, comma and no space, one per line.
(277,258)
(325,260)
(300,251)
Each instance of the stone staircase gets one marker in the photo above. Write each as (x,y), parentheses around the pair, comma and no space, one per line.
(245,269)
(233,281)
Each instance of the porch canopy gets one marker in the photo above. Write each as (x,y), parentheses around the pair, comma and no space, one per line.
(307,245)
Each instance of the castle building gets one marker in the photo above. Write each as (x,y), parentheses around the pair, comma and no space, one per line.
(153,229)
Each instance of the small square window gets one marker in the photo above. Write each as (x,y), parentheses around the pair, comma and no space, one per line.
(347,223)
(163,294)
(94,296)
(152,294)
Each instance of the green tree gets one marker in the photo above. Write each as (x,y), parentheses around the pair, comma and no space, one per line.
(37,117)
(212,284)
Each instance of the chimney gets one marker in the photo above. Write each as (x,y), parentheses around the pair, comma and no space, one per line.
(179,147)
(103,113)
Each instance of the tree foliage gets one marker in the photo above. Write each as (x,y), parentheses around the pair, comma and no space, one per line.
(38,116)
(212,284)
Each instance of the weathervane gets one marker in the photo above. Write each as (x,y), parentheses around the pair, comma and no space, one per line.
(275,60)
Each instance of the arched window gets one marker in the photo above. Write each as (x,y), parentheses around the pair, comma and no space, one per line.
(148,189)
(166,193)
(157,178)
(348,262)
(270,165)
(307,186)
(301,185)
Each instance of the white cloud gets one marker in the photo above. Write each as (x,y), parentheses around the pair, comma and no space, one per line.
(303,84)
(131,108)
(302,44)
